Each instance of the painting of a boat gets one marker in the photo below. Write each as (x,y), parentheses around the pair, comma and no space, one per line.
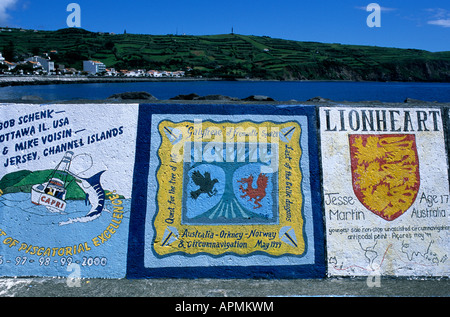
(52,194)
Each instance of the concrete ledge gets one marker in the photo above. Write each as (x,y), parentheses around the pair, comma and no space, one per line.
(310,102)
(357,287)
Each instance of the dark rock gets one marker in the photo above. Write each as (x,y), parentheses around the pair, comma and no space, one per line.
(185,97)
(319,99)
(410,100)
(208,97)
(216,97)
(138,95)
(258,98)
(31,98)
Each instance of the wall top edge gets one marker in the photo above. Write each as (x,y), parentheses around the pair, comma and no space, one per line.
(222,102)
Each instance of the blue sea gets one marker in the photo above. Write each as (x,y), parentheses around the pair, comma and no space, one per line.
(278,90)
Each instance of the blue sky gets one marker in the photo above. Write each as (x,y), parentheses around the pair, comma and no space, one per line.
(404,23)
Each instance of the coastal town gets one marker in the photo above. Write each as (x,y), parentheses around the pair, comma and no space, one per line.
(44,66)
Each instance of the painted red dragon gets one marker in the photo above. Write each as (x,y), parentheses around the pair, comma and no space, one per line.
(257,193)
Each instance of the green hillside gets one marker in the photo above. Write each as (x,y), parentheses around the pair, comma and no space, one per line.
(22,181)
(229,56)
(9,180)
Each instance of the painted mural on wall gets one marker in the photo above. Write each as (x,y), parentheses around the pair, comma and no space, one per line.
(387,197)
(227,190)
(65,189)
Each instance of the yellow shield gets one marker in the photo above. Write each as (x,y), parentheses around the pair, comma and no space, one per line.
(385,172)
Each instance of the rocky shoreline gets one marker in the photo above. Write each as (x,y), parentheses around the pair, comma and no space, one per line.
(54,80)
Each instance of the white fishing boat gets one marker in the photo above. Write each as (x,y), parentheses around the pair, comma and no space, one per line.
(52,194)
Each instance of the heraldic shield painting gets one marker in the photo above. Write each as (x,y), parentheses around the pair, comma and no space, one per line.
(386,205)
(229,192)
(385,172)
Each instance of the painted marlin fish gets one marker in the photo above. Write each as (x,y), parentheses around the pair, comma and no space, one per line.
(95,195)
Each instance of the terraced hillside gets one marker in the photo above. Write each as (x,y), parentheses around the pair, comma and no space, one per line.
(229,56)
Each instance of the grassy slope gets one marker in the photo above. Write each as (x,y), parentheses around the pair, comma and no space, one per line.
(233,56)
(22,181)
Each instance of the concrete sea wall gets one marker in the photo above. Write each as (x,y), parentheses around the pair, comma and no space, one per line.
(232,190)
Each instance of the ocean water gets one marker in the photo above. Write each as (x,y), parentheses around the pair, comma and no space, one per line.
(278,90)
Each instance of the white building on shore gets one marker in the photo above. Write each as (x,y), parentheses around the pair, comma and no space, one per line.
(94,67)
(46,64)
(135,73)
(2,59)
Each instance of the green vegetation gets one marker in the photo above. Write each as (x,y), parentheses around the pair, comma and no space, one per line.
(22,181)
(230,56)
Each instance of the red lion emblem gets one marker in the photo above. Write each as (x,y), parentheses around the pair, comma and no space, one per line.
(257,193)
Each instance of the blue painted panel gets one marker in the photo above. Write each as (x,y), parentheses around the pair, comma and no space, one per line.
(227,236)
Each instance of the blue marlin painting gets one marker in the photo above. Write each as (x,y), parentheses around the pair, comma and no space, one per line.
(95,195)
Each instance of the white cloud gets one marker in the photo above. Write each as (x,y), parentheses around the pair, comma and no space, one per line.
(386,9)
(383,9)
(441,22)
(439,17)
(5,5)
(438,13)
